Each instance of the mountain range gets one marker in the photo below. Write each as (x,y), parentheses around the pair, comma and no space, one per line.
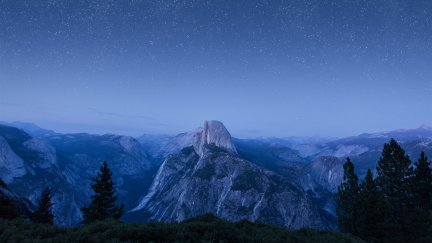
(287,182)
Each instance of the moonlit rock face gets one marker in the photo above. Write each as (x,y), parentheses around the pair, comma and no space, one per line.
(48,155)
(210,177)
(225,185)
(214,132)
(326,172)
(128,143)
(11,165)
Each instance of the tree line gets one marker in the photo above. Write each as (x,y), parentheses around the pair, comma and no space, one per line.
(393,206)
(102,206)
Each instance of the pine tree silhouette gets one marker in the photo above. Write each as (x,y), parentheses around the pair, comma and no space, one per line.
(43,213)
(372,211)
(347,198)
(420,216)
(422,183)
(394,181)
(103,201)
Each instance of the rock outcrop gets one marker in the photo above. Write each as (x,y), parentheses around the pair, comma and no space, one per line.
(214,132)
(209,177)
(11,165)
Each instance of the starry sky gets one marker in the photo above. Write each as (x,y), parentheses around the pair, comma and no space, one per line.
(263,67)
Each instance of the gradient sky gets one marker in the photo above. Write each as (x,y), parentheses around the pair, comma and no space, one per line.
(263,67)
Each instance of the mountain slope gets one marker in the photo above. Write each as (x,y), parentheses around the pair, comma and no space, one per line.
(66,164)
(209,177)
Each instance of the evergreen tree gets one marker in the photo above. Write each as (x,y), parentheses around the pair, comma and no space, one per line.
(43,213)
(103,202)
(419,221)
(347,198)
(394,177)
(394,172)
(422,183)
(372,211)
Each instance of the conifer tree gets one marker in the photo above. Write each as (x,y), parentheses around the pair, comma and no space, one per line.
(347,198)
(43,213)
(394,174)
(394,179)
(419,220)
(422,183)
(103,201)
(372,211)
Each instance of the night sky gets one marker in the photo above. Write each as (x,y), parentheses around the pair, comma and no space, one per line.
(264,68)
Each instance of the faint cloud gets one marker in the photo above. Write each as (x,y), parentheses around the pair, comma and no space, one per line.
(106,113)
(11,104)
(24,105)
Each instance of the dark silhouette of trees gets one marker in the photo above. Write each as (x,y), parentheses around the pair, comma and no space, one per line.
(372,210)
(393,207)
(422,183)
(103,201)
(347,198)
(43,213)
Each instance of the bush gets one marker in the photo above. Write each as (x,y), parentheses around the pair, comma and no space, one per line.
(206,228)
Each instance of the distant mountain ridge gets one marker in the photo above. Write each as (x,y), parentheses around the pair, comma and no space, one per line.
(159,175)
(30,128)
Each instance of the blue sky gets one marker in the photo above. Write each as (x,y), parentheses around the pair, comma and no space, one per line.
(264,68)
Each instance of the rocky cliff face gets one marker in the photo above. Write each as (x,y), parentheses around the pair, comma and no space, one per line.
(214,132)
(209,177)
(160,146)
(66,163)
(323,173)
(11,165)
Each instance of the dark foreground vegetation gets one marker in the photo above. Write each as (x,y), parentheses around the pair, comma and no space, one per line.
(395,206)
(206,228)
